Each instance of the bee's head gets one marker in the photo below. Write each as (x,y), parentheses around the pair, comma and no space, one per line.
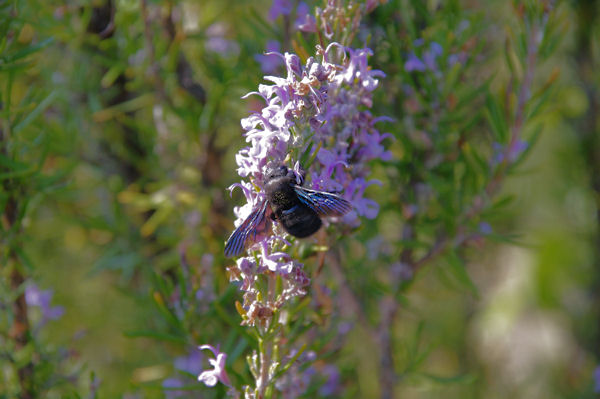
(280,171)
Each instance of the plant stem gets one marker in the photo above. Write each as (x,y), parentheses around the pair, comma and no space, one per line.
(20,329)
(265,346)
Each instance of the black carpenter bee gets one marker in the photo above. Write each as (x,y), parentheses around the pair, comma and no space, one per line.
(298,209)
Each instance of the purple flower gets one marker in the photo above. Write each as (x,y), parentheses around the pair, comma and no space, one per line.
(400,272)
(372,4)
(426,59)
(191,364)
(304,21)
(430,56)
(458,58)
(280,7)
(290,97)
(38,298)
(170,386)
(218,373)
(269,62)
(414,63)
(323,105)
(597,380)
(332,384)
(217,43)
(485,228)
(515,149)
(325,98)
(296,381)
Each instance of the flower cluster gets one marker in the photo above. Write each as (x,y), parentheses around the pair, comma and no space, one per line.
(430,57)
(341,17)
(318,112)
(42,299)
(510,152)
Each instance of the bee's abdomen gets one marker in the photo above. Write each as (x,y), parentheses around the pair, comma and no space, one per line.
(300,221)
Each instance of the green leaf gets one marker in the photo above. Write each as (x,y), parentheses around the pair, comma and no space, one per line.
(502,202)
(18,173)
(260,24)
(114,259)
(458,379)
(306,154)
(496,119)
(232,322)
(24,355)
(534,109)
(238,350)
(459,271)
(290,362)
(26,51)
(24,258)
(472,95)
(170,317)
(12,164)
(39,108)
(155,335)
(15,66)
(452,78)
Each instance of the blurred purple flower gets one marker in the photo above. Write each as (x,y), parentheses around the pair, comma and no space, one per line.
(430,56)
(270,62)
(429,62)
(597,380)
(400,272)
(280,7)
(304,21)
(485,228)
(372,4)
(218,373)
(332,384)
(516,149)
(514,152)
(216,41)
(414,63)
(170,386)
(296,381)
(191,364)
(458,58)
(38,298)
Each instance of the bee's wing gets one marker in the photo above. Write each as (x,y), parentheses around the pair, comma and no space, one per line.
(236,242)
(325,204)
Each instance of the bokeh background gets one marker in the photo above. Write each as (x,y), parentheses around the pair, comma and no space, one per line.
(124,117)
